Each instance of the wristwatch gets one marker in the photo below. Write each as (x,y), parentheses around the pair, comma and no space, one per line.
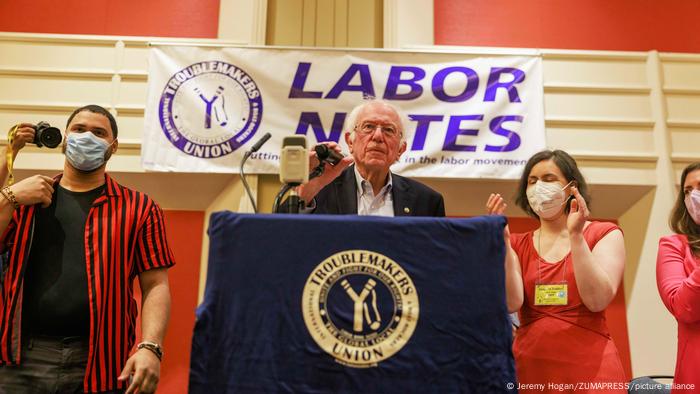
(152,346)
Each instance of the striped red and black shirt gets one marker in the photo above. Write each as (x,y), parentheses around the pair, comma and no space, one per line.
(124,236)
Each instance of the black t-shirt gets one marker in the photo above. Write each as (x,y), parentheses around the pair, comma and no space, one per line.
(55,285)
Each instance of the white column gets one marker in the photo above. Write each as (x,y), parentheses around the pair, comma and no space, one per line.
(408,23)
(652,329)
(243,21)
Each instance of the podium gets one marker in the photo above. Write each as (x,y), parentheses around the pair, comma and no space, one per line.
(350,304)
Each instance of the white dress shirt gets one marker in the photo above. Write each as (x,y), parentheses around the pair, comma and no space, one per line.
(367,203)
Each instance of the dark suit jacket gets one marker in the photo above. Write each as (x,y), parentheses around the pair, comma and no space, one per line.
(411,198)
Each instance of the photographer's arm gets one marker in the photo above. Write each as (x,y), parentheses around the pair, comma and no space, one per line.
(23,134)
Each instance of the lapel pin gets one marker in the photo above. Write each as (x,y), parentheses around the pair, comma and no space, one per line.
(406,210)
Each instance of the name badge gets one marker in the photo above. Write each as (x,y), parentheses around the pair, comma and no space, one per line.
(551,294)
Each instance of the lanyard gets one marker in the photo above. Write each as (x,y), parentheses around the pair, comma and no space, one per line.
(10,154)
(540,260)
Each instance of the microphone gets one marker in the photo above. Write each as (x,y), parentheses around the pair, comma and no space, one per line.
(260,143)
(252,150)
(294,160)
(328,155)
(294,170)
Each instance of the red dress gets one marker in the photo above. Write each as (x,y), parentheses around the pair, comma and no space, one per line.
(678,279)
(566,348)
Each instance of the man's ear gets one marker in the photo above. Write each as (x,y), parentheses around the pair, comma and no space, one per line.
(402,149)
(349,141)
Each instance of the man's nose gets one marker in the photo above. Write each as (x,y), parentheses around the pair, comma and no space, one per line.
(378,134)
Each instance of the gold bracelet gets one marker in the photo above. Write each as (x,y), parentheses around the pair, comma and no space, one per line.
(10,196)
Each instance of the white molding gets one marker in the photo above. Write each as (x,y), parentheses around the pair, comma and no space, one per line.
(69,73)
(684,124)
(626,157)
(129,41)
(547,54)
(473,50)
(67,107)
(679,57)
(261,9)
(552,121)
(553,87)
(682,91)
(130,144)
(584,55)
(103,74)
(684,158)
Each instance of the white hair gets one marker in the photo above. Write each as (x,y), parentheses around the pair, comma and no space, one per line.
(351,119)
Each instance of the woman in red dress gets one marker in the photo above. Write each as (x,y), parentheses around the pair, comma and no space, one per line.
(560,278)
(678,279)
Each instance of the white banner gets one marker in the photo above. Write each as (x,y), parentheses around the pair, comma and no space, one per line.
(470,117)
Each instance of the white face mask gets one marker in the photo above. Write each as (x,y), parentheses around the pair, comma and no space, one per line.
(692,203)
(85,151)
(546,198)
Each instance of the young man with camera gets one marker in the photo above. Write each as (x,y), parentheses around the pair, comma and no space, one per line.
(74,244)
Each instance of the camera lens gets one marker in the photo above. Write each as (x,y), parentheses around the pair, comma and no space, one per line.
(46,135)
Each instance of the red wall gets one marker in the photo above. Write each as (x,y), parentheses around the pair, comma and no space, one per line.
(627,25)
(162,18)
(616,314)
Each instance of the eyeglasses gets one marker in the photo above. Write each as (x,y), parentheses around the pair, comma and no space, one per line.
(367,128)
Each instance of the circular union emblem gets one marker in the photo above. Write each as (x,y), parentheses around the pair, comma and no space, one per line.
(360,307)
(209,109)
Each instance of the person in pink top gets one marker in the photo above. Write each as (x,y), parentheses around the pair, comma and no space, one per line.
(678,278)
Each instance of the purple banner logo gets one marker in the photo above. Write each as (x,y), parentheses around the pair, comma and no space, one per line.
(209,109)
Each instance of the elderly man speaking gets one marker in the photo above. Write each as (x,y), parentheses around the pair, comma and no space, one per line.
(374,131)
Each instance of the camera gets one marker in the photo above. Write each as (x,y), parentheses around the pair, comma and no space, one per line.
(46,135)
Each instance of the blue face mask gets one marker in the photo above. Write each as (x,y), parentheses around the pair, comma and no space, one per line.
(85,151)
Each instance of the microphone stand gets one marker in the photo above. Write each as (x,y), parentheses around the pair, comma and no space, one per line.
(245,182)
(246,155)
(294,204)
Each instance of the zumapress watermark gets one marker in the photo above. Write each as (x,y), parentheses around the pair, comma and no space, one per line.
(593,386)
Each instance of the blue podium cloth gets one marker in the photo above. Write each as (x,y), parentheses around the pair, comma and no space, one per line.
(251,337)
